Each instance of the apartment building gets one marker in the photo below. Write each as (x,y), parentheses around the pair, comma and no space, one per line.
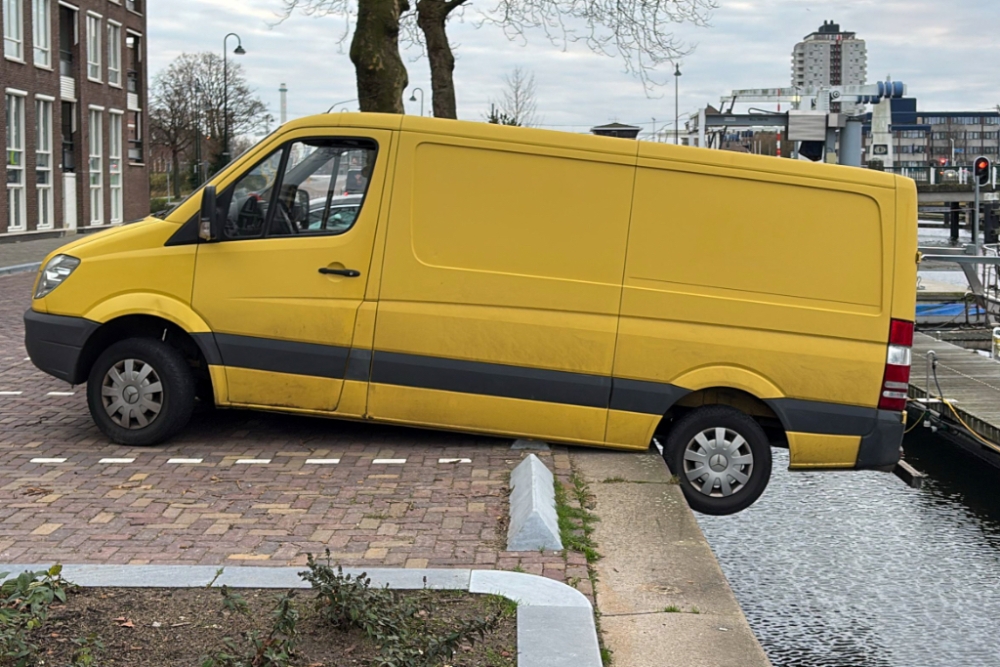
(830,57)
(938,138)
(73,76)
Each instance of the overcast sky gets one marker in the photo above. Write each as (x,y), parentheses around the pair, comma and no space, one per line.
(944,50)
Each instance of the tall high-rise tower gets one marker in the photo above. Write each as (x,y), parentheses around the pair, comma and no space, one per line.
(830,57)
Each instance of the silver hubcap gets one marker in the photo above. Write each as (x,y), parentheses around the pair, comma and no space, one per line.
(718,462)
(132,394)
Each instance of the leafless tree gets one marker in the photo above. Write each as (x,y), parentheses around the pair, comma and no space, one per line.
(170,115)
(188,98)
(640,32)
(516,105)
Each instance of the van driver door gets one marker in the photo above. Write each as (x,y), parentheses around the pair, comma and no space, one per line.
(281,290)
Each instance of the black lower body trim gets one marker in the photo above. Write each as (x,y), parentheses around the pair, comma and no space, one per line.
(882,448)
(55,343)
(474,377)
(282,356)
(801,416)
(652,398)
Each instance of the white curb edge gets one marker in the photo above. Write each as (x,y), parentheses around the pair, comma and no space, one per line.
(555,622)
(19,268)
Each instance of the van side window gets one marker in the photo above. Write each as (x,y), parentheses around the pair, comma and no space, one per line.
(249,199)
(323,186)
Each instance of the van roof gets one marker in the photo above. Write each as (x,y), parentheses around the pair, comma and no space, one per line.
(643,150)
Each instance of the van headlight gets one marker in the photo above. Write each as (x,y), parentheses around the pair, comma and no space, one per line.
(55,272)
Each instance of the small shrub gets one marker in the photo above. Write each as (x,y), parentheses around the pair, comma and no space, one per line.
(86,651)
(405,638)
(275,649)
(24,606)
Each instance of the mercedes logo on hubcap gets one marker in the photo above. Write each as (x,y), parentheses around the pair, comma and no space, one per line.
(718,462)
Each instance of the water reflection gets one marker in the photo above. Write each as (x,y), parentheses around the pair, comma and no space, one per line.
(845,569)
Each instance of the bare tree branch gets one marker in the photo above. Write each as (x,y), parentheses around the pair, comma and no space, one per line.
(517,102)
(640,32)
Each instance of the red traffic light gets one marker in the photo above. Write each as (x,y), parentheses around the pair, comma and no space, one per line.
(982,170)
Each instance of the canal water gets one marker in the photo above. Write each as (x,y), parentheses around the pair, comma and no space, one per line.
(856,569)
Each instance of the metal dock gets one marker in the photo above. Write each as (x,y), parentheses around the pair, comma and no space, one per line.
(970,385)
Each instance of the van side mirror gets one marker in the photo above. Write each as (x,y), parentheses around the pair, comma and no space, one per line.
(209,228)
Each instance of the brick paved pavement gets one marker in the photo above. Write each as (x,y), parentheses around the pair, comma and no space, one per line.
(225,509)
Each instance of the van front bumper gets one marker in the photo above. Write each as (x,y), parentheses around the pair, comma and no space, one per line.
(55,343)
(883,447)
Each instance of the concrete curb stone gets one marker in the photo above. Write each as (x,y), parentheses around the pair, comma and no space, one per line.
(19,268)
(555,623)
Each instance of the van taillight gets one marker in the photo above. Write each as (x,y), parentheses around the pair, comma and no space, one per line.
(896,380)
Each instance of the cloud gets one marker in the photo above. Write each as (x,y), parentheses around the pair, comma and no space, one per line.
(945,55)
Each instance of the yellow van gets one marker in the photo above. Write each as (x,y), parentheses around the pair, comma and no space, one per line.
(509,281)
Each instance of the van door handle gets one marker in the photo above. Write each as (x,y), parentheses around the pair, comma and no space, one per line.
(350,273)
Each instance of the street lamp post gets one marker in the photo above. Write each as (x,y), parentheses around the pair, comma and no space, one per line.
(413,98)
(225,90)
(677,104)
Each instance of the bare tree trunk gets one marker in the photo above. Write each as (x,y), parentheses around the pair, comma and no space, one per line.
(431,17)
(375,53)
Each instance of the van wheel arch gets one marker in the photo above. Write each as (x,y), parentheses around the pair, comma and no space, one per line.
(745,402)
(147,326)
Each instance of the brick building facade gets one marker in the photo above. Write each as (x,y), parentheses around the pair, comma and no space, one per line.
(73,76)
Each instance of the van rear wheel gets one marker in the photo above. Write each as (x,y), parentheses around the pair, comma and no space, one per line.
(721,457)
(140,392)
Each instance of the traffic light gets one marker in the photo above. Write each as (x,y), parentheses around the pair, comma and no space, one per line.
(982,168)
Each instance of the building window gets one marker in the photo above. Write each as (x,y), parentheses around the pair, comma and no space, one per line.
(43,163)
(134,5)
(114,54)
(15,163)
(68,137)
(135,137)
(115,165)
(13,24)
(42,22)
(96,167)
(93,48)
(973,135)
(133,45)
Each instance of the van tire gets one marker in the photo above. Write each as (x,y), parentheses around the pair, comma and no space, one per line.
(743,438)
(145,417)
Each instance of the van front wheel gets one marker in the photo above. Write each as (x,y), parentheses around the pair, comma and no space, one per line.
(140,392)
(721,457)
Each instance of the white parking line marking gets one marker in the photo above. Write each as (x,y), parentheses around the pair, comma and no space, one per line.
(389,462)
(61,393)
(252,461)
(117,461)
(322,462)
(27,358)
(454,460)
(48,460)
(11,393)
(184,460)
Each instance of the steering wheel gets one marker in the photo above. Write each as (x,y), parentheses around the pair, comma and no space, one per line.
(283,217)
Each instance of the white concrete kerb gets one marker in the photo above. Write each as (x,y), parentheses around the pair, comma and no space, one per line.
(555,623)
(19,268)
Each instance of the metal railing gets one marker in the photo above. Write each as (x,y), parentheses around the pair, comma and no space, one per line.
(941,175)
